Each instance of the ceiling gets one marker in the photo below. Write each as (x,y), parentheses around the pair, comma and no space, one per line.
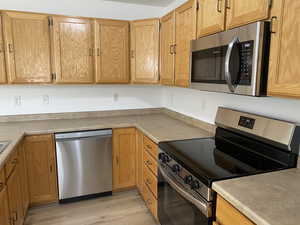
(159,3)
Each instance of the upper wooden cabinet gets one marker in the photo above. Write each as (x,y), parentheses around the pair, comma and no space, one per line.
(145,51)
(112,51)
(41,164)
(124,158)
(284,77)
(210,17)
(167,45)
(241,12)
(2,55)
(27,45)
(73,50)
(185,17)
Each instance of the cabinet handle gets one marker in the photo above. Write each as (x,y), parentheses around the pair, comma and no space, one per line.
(171,49)
(228,4)
(10,48)
(219,9)
(15,216)
(117,160)
(148,181)
(149,146)
(174,49)
(51,168)
(149,162)
(272,30)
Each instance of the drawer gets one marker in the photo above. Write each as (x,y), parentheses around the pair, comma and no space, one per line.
(150,162)
(151,201)
(150,180)
(226,214)
(11,163)
(2,179)
(150,146)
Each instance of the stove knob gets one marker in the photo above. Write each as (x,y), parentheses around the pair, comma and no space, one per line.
(195,185)
(161,156)
(166,159)
(176,168)
(188,179)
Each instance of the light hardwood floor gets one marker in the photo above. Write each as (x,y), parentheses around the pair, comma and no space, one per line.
(124,208)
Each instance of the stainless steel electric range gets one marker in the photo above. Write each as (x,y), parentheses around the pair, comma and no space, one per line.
(244,144)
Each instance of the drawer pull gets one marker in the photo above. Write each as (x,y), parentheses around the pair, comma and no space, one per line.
(148,162)
(148,181)
(149,146)
(15,216)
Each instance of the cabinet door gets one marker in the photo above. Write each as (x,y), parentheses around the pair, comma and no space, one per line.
(241,12)
(73,50)
(2,55)
(41,164)
(23,179)
(167,49)
(210,17)
(185,32)
(15,197)
(27,38)
(123,158)
(139,160)
(145,51)
(112,51)
(4,209)
(284,78)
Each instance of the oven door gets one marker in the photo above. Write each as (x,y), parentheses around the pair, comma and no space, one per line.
(178,206)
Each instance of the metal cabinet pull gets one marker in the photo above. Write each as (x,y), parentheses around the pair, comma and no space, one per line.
(174,49)
(272,30)
(10,48)
(149,146)
(228,4)
(171,49)
(219,9)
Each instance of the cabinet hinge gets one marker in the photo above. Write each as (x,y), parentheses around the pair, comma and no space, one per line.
(50,21)
(53,76)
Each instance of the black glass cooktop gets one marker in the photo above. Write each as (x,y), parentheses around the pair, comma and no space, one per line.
(226,156)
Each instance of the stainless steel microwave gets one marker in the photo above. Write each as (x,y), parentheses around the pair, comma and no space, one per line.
(233,61)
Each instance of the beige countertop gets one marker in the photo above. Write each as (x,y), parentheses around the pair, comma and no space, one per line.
(159,127)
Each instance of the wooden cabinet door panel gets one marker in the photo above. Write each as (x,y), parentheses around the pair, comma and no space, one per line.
(123,158)
(4,208)
(185,32)
(210,17)
(139,160)
(144,51)
(28,50)
(112,50)
(241,12)
(284,77)
(73,47)
(41,164)
(167,49)
(2,55)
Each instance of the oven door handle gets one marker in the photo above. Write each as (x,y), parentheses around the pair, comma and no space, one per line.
(228,76)
(203,206)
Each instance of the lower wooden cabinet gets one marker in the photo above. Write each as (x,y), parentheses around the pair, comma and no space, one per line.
(139,160)
(41,168)
(124,158)
(4,209)
(226,214)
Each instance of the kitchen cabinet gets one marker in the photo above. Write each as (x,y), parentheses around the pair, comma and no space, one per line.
(167,40)
(41,168)
(4,208)
(241,12)
(139,160)
(226,214)
(210,17)
(23,179)
(2,55)
(112,51)
(124,158)
(284,79)
(185,25)
(144,51)
(28,51)
(15,197)
(73,50)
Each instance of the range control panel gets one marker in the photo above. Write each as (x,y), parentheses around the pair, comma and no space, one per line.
(246,122)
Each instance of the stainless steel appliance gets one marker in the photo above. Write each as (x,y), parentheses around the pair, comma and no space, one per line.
(233,61)
(84,163)
(244,144)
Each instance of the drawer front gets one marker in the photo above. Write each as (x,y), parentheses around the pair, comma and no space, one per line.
(226,214)
(150,146)
(150,162)
(151,201)
(150,180)
(11,164)
(2,179)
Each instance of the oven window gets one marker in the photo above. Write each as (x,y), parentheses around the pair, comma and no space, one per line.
(208,65)
(173,209)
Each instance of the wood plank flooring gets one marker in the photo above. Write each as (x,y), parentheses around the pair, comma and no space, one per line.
(124,208)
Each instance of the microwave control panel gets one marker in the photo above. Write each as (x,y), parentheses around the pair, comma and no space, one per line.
(246,54)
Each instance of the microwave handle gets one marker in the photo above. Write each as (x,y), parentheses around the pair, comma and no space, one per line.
(228,76)
(203,206)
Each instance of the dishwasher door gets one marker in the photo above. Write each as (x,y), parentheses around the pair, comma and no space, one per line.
(84,163)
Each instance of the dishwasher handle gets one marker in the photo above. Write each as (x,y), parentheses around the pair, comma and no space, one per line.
(84,134)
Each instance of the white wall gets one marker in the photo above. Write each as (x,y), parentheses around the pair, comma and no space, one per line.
(76,98)
(88,8)
(172,6)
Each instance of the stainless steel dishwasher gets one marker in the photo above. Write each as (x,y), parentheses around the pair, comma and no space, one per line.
(84,164)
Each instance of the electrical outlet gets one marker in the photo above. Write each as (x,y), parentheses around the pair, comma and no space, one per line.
(116,97)
(46,99)
(17,101)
